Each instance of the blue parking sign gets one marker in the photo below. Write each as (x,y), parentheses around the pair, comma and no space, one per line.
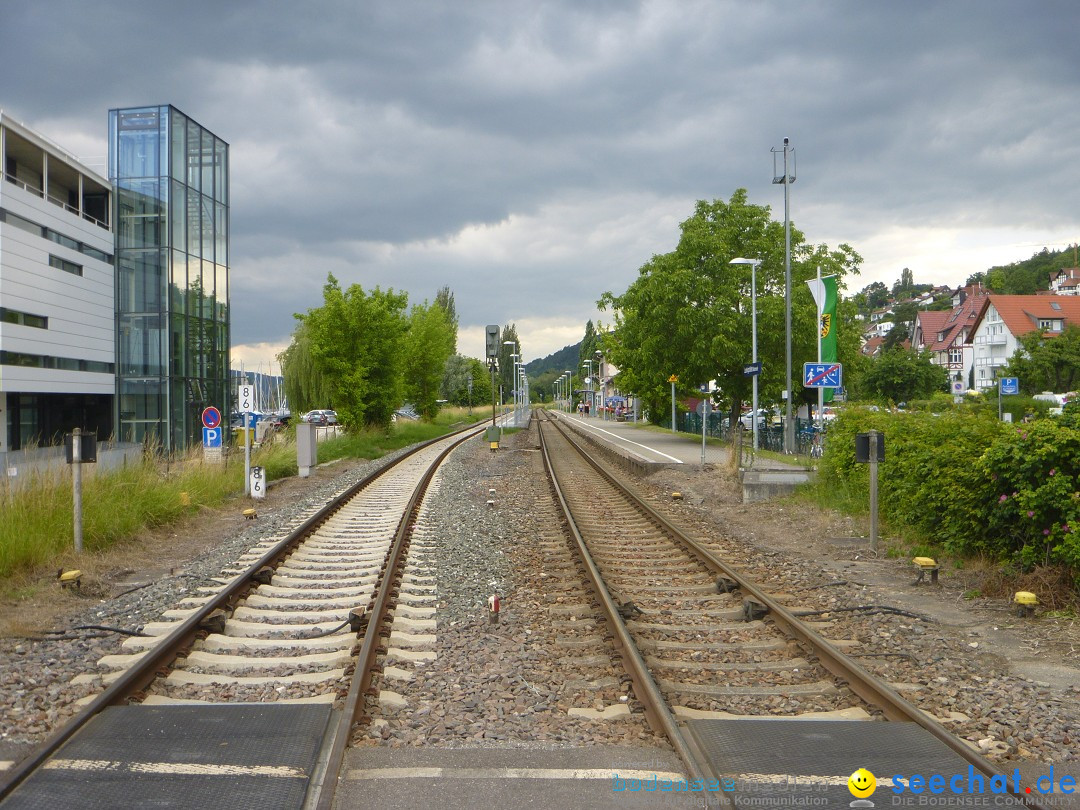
(211,437)
(1010,385)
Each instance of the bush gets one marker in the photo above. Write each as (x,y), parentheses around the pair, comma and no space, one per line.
(969,483)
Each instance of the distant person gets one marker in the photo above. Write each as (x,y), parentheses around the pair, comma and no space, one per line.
(586,408)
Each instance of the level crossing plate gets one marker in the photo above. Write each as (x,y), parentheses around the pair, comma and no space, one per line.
(791,763)
(233,755)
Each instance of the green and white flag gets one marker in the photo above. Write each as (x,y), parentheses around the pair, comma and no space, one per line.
(824,291)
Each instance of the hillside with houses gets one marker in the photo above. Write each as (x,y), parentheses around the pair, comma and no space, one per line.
(975,329)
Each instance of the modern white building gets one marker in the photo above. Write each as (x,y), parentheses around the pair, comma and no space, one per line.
(114,292)
(57,299)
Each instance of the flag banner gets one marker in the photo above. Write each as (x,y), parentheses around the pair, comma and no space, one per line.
(824,291)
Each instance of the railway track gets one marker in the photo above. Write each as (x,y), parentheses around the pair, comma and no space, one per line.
(698,638)
(300,623)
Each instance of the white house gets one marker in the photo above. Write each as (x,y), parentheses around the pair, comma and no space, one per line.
(1002,319)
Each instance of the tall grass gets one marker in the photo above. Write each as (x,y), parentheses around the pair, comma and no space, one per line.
(36,519)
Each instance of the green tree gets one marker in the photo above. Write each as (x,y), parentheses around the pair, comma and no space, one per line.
(505,376)
(445,299)
(428,343)
(900,375)
(305,387)
(689,311)
(904,285)
(1045,363)
(896,336)
(352,345)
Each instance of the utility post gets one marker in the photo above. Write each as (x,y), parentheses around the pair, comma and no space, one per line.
(76,485)
(786,179)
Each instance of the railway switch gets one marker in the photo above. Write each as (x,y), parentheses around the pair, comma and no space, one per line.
(927,565)
(752,611)
(1025,602)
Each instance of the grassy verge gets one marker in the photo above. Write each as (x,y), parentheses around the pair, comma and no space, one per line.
(36,518)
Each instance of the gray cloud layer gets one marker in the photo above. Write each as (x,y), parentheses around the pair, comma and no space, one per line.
(532,155)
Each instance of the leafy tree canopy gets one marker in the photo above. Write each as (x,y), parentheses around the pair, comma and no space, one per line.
(689,311)
(900,375)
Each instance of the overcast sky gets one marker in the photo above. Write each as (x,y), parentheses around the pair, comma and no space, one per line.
(533,155)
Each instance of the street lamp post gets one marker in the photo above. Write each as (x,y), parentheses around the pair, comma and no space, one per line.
(601,404)
(786,179)
(754,264)
(588,381)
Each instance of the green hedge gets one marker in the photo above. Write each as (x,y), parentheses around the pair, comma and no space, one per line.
(969,483)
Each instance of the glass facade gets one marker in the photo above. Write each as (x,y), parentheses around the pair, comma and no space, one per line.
(172,258)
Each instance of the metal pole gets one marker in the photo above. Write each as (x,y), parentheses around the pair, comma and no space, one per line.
(704,421)
(753,339)
(873,489)
(820,391)
(76,485)
(247,455)
(789,432)
(491,363)
(673,430)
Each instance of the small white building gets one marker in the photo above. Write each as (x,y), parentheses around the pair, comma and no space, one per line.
(57,299)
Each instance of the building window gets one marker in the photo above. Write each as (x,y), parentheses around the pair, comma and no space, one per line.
(956,357)
(23,318)
(60,363)
(1050,324)
(65,265)
(48,233)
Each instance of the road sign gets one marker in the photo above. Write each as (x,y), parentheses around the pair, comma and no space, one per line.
(245,398)
(1010,385)
(822,375)
(211,417)
(958,387)
(751,369)
(674,378)
(211,437)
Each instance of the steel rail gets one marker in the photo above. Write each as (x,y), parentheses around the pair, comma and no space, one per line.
(657,712)
(386,589)
(161,655)
(870,688)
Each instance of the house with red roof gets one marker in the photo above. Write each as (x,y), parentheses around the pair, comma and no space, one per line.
(1002,319)
(945,333)
(1065,281)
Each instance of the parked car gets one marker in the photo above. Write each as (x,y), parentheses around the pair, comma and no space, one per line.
(747,420)
(318,418)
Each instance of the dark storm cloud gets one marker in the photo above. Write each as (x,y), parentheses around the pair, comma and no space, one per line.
(532,155)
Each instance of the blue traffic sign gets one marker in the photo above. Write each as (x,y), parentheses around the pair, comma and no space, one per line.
(1010,385)
(751,369)
(211,437)
(822,375)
